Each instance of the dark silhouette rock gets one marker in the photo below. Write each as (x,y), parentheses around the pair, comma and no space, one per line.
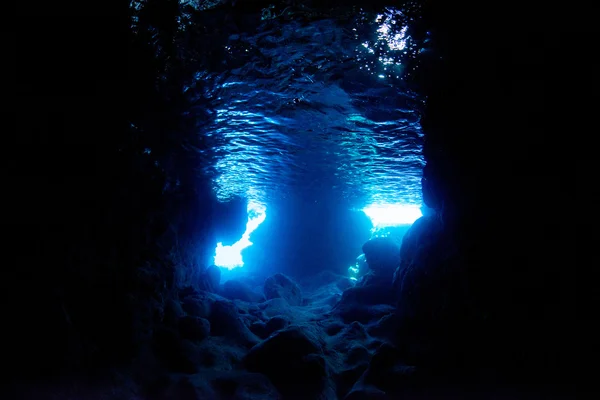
(259,328)
(382,255)
(365,303)
(350,309)
(373,279)
(334,328)
(188,291)
(276,323)
(225,321)
(172,312)
(280,286)
(367,393)
(237,290)
(350,337)
(293,361)
(425,232)
(210,279)
(387,377)
(194,328)
(211,384)
(175,354)
(357,354)
(386,328)
(197,306)
(347,378)
(438,314)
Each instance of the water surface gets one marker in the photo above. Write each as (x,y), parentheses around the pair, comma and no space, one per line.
(317,108)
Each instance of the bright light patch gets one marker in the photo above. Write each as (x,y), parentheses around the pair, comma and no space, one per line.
(230,257)
(392,44)
(392,215)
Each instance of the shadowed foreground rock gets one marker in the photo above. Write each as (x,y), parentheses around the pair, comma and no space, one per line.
(280,286)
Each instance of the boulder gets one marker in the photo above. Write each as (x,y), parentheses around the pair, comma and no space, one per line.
(197,306)
(237,290)
(172,312)
(226,321)
(174,353)
(292,359)
(382,255)
(275,324)
(194,328)
(213,384)
(210,279)
(280,286)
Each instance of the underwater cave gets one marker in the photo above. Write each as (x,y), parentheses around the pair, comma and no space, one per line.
(296,199)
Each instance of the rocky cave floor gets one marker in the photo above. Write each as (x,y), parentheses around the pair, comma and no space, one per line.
(322,338)
(278,340)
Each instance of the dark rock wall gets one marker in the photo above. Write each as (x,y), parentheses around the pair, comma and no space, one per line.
(96,223)
(505,125)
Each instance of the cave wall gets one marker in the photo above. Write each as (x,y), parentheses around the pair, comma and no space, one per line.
(504,135)
(104,204)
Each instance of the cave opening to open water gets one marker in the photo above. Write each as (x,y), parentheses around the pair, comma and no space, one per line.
(315,117)
(280,200)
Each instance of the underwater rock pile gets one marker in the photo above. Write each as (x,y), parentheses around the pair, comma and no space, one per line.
(323,338)
(327,337)
(400,330)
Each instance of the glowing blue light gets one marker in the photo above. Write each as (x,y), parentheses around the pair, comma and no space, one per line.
(230,257)
(392,214)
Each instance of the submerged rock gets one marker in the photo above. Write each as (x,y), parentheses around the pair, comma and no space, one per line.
(424,233)
(373,279)
(280,286)
(386,377)
(198,305)
(357,354)
(175,354)
(221,353)
(438,317)
(237,290)
(349,337)
(172,312)
(225,321)
(194,328)
(259,328)
(210,384)
(210,279)
(275,324)
(365,303)
(293,360)
(366,392)
(362,313)
(386,328)
(382,255)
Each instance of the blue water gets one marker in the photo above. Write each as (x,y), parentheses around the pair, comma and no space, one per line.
(314,110)
(319,109)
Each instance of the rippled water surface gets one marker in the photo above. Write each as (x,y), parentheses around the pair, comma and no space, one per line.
(318,108)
